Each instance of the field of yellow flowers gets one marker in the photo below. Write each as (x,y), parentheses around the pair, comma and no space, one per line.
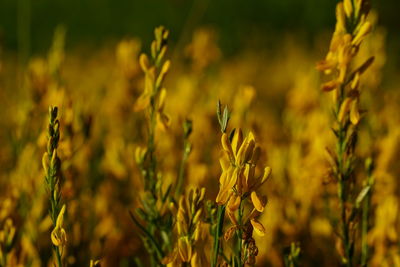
(163,155)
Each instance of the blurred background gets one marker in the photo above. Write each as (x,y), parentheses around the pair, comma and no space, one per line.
(256,56)
(32,23)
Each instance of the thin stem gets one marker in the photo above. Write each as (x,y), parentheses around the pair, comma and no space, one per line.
(138,262)
(149,236)
(58,256)
(342,177)
(150,179)
(365,222)
(181,174)
(240,234)
(218,234)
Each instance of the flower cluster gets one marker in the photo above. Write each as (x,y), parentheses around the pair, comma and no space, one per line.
(155,72)
(58,235)
(351,29)
(189,230)
(238,181)
(52,167)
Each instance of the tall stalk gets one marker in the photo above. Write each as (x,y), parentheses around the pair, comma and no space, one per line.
(52,167)
(366,212)
(351,28)
(154,230)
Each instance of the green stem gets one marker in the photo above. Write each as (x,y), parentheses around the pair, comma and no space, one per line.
(58,256)
(365,225)
(138,262)
(154,243)
(342,178)
(181,174)
(240,234)
(218,234)
(150,179)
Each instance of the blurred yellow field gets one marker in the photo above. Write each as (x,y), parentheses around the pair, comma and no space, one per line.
(146,153)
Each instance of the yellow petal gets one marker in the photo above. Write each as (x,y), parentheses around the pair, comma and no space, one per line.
(250,136)
(163,73)
(340,18)
(196,217)
(237,140)
(94,263)
(223,180)
(232,179)
(240,156)
(356,81)
(364,30)
(267,173)
(185,249)
(60,217)
(354,113)
(195,261)
(197,232)
(45,162)
(249,151)
(232,217)
(144,62)
(163,121)
(161,99)
(59,237)
(258,204)
(223,196)
(226,145)
(234,203)
(327,64)
(142,102)
(348,8)
(224,162)
(170,257)
(329,86)
(344,109)
(258,227)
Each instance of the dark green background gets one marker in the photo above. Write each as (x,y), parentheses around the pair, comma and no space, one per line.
(94,21)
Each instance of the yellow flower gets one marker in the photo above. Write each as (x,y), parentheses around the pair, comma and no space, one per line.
(189,229)
(258,204)
(258,227)
(163,120)
(237,154)
(58,235)
(238,164)
(185,249)
(94,263)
